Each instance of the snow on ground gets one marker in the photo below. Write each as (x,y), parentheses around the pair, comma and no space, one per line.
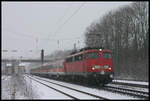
(129,87)
(132,82)
(70,92)
(95,91)
(30,89)
(27,89)
(44,92)
(8,88)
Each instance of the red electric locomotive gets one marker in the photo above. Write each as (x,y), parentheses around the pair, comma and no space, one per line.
(90,64)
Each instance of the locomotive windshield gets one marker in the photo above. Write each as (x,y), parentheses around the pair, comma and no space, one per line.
(93,55)
(107,55)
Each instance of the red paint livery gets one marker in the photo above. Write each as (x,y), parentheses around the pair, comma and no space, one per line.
(87,64)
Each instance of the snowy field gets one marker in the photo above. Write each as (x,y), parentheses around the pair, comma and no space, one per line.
(25,88)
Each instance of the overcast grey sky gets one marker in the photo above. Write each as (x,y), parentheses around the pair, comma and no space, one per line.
(35,25)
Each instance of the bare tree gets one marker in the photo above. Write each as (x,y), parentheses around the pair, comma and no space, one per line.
(125,31)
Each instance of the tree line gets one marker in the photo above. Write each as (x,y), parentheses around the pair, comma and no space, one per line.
(126,32)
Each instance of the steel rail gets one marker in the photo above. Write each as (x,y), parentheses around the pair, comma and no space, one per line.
(130,84)
(103,98)
(138,94)
(55,89)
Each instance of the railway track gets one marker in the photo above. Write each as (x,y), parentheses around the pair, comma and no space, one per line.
(130,84)
(127,89)
(135,90)
(123,91)
(139,94)
(78,92)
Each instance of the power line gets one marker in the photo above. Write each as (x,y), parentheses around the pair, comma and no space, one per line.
(36,38)
(67,9)
(62,24)
(61,18)
(61,38)
(69,18)
(18,33)
(7,50)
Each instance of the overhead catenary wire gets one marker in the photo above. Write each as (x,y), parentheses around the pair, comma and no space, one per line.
(62,17)
(36,39)
(75,12)
(20,34)
(30,36)
(58,29)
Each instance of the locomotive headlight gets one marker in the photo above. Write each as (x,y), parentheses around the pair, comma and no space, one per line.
(93,68)
(109,68)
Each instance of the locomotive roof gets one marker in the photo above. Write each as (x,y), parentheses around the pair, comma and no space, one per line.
(88,50)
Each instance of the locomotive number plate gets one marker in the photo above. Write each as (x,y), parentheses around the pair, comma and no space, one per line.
(97,67)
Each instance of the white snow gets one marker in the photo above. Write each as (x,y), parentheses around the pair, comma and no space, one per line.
(132,82)
(7,89)
(102,93)
(129,87)
(30,89)
(68,91)
(44,92)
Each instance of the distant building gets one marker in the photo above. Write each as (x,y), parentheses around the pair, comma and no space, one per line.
(9,69)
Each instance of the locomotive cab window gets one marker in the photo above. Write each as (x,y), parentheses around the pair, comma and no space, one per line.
(70,59)
(93,55)
(107,55)
(79,57)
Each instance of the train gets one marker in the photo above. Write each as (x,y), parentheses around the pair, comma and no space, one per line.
(88,65)
(21,69)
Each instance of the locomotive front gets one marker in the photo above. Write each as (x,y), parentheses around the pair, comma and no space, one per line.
(100,65)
